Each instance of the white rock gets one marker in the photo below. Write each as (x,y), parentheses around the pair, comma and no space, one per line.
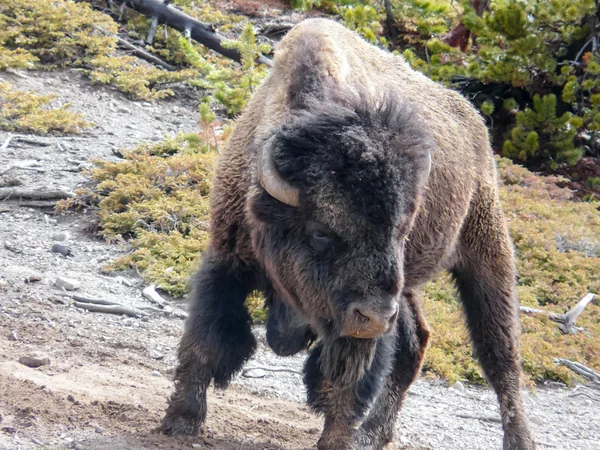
(61,236)
(65,283)
(458,386)
(254,373)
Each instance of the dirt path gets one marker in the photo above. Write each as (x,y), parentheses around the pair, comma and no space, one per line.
(108,378)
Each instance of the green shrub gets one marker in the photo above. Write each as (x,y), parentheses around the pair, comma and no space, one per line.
(29,112)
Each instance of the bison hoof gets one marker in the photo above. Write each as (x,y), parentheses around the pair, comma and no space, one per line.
(180,426)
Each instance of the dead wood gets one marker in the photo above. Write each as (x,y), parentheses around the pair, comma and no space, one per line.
(101,305)
(151,294)
(168,311)
(482,418)
(580,369)
(566,320)
(272,369)
(140,52)
(31,194)
(164,13)
(111,309)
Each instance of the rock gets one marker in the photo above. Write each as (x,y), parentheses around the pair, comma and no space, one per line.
(123,110)
(65,283)
(12,247)
(156,373)
(254,373)
(458,386)
(155,354)
(71,398)
(33,279)
(34,361)
(124,281)
(61,236)
(62,249)
(49,220)
(196,446)
(536,420)
(13,336)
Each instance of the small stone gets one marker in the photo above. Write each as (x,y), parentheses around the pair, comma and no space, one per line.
(196,446)
(33,279)
(61,236)
(36,442)
(13,336)
(254,373)
(155,354)
(156,373)
(34,361)
(62,249)
(123,110)
(536,420)
(458,386)
(12,247)
(124,281)
(65,283)
(71,398)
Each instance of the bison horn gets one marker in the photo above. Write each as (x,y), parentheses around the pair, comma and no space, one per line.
(271,181)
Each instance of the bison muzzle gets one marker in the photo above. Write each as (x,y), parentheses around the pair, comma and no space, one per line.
(351,180)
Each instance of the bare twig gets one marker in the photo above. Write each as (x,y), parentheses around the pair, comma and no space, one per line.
(168,311)
(95,301)
(272,369)
(111,309)
(19,194)
(482,418)
(580,369)
(566,320)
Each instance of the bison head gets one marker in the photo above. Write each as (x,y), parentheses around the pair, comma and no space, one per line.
(337,188)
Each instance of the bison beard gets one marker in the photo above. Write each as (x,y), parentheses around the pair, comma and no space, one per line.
(344,188)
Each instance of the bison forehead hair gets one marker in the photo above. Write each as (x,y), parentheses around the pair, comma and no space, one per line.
(363,156)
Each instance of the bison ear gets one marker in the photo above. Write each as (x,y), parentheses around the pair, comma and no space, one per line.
(270,179)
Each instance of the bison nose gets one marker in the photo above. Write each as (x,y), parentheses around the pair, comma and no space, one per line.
(365,322)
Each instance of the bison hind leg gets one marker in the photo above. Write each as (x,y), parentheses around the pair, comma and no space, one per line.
(287,334)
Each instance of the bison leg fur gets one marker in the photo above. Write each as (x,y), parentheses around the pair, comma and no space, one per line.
(412,336)
(342,379)
(485,278)
(216,343)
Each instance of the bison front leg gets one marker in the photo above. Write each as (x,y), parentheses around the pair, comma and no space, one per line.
(412,336)
(342,379)
(485,277)
(216,342)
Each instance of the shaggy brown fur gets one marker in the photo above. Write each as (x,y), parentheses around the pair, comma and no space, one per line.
(353,129)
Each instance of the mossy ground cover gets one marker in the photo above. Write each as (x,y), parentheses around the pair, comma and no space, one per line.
(29,112)
(61,33)
(158,198)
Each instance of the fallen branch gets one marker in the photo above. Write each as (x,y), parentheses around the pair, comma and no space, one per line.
(482,418)
(580,369)
(140,52)
(151,294)
(272,369)
(168,311)
(7,142)
(566,320)
(95,301)
(164,13)
(110,309)
(101,305)
(19,194)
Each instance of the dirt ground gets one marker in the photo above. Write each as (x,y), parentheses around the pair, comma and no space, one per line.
(109,376)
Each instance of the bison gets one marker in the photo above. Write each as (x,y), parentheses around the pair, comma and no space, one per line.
(351,180)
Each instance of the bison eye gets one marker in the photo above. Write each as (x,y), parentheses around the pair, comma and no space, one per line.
(320,237)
